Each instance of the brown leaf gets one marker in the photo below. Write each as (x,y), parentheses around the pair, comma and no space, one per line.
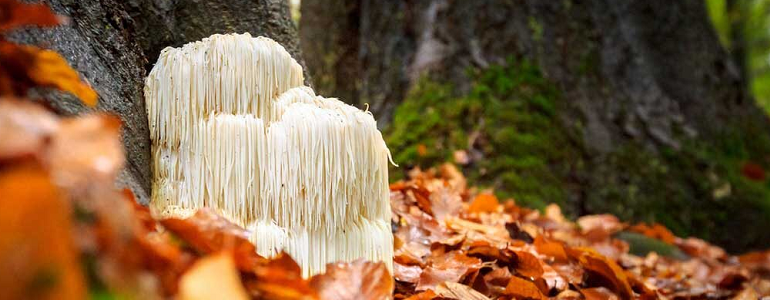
(599,227)
(550,248)
(16,14)
(426,295)
(208,233)
(24,128)
(484,203)
(212,277)
(523,289)
(445,203)
(86,152)
(494,235)
(485,251)
(612,274)
(528,265)
(655,231)
(356,280)
(447,267)
(455,290)
(405,273)
(599,293)
(279,278)
(498,276)
(747,294)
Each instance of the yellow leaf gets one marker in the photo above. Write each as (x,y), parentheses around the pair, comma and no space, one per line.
(212,277)
(51,70)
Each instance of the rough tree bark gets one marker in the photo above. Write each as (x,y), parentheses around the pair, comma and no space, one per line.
(113,43)
(633,74)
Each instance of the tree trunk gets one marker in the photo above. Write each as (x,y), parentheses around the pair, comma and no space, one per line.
(646,91)
(113,44)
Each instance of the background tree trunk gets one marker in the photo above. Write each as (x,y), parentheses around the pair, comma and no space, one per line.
(113,43)
(647,77)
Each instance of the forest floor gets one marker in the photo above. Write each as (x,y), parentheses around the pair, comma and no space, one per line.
(68,233)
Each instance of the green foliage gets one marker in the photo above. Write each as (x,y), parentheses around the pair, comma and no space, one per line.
(508,124)
(752,19)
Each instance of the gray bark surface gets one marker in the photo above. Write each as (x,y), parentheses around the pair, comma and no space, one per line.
(113,44)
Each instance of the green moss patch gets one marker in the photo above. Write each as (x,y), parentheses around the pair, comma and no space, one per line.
(507,123)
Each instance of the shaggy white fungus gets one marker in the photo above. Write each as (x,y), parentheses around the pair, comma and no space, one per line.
(233,129)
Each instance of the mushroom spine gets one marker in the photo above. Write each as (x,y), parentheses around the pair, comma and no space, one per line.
(234,129)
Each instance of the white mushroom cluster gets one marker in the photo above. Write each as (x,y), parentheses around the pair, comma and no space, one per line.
(234,129)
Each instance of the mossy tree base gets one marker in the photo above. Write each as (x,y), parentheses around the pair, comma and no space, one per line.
(518,144)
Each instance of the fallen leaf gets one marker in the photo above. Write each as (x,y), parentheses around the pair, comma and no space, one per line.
(212,277)
(753,171)
(426,295)
(451,267)
(498,276)
(747,294)
(405,273)
(279,278)
(25,66)
(422,150)
(86,152)
(37,252)
(445,203)
(655,231)
(24,128)
(550,248)
(528,265)
(599,293)
(17,14)
(458,291)
(209,233)
(523,289)
(356,280)
(484,203)
(611,273)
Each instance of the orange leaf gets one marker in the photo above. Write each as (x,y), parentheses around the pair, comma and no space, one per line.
(426,295)
(37,252)
(355,280)
(607,269)
(487,203)
(422,150)
(528,265)
(212,277)
(279,278)
(485,251)
(523,289)
(16,14)
(550,248)
(655,231)
(24,67)
(600,293)
(52,70)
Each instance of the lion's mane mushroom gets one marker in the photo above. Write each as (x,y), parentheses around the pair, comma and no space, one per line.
(233,129)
